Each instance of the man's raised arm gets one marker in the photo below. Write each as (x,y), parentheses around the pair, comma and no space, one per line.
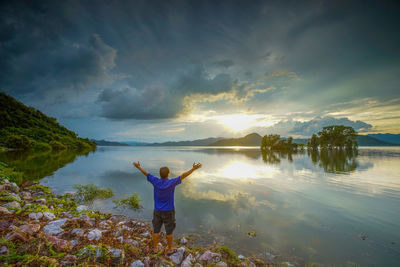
(137,165)
(186,174)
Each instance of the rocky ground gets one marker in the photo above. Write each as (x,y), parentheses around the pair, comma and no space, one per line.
(39,228)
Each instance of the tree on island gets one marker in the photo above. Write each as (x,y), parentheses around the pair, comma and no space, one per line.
(334,136)
(275,142)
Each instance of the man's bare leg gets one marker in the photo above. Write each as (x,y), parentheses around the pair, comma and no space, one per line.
(156,238)
(170,241)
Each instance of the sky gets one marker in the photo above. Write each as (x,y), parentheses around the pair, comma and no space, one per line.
(182,70)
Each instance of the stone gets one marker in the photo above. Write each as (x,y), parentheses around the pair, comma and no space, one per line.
(74,242)
(183,240)
(58,243)
(14,187)
(105,224)
(70,258)
(12,205)
(54,227)
(41,200)
(120,239)
(177,257)
(66,214)
(241,257)
(4,211)
(198,265)
(49,216)
(15,236)
(77,232)
(188,262)
(116,253)
(6,181)
(3,187)
(94,234)
(86,219)
(35,215)
(288,264)
(30,228)
(146,234)
(210,257)
(14,197)
(82,208)
(26,196)
(137,263)
(4,250)
(221,264)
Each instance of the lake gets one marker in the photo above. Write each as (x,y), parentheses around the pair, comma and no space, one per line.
(332,208)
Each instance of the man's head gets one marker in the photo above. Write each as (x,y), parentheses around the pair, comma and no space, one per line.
(164,172)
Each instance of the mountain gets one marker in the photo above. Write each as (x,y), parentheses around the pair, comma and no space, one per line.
(253,139)
(134,143)
(108,143)
(198,142)
(366,140)
(387,137)
(23,127)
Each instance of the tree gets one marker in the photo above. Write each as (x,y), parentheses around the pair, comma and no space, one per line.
(337,136)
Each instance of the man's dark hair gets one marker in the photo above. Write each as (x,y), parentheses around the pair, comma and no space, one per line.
(164,172)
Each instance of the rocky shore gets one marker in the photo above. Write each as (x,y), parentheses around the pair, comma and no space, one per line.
(39,228)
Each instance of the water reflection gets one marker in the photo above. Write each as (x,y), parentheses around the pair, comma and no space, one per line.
(36,165)
(331,160)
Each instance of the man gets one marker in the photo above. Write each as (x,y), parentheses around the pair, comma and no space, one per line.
(164,208)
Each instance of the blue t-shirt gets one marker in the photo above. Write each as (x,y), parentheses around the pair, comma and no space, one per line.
(163,192)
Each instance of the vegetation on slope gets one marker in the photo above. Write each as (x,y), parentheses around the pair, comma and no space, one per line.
(23,127)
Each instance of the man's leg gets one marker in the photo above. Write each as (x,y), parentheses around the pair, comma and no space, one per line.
(157,223)
(170,225)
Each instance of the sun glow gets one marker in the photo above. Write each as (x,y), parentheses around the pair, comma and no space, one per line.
(242,122)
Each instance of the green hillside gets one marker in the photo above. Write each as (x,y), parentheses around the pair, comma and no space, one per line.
(23,127)
(253,139)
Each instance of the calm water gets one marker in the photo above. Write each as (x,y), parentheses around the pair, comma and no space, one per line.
(332,209)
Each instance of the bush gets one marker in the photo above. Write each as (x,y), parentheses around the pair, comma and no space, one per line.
(18,142)
(132,202)
(89,192)
(39,146)
(55,145)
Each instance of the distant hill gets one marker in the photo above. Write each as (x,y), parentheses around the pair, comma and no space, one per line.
(366,140)
(23,127)
(198,142)
(253,139)
(108,143)
(134,143)
(386,137)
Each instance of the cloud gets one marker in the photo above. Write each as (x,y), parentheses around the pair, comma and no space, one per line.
(307,128)
(226,63)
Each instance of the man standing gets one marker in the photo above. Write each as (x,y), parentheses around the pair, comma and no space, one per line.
(164,208)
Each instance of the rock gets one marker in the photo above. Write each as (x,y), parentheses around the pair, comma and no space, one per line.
(13,187)
(105,224)
(14,197)
(137,263)
(30,228)
(35,215)
(288,264)
(4,211)
(86,219)
(58,243)
(178,255)
(116,253)
(16,236)
(74,242)
(198,265)
(82,208)
(210,257)
(188,261)
(54,227)
(222,264)
(70,258)
(183,240)
(77,232)
(146,234)
(26,196)
(3,187)
(241,257)
(94,234)
(41,200)
(66,214)
(4,250)
(49,216)
(87,251)
(12,205)
(120,239)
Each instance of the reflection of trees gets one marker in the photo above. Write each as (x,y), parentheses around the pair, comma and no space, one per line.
(331,160)
(36,165)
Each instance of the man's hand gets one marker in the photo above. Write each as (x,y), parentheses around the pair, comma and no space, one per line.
(136,164)
(196,166)
(189,172)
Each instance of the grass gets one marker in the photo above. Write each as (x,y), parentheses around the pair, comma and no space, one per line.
(90,192)
(132,202)
(229,253)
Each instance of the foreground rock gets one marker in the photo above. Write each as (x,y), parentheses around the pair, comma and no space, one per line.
(49,230)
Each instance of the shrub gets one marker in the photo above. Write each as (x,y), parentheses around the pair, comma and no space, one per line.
(55,145)
(132,202)
(89,192)
(18,142)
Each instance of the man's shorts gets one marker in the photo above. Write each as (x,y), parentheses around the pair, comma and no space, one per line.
(167,218)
